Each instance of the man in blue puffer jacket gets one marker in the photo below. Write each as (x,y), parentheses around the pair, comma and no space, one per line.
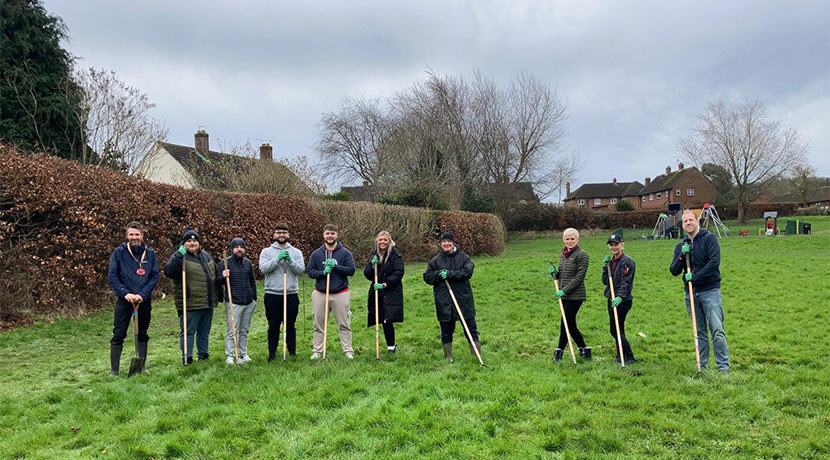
(133,274)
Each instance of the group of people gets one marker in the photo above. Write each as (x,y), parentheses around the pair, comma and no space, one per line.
(200,283)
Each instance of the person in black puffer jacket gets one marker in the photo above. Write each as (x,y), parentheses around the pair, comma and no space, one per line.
(240,271)
(389,288)
(455,267)
(622,272)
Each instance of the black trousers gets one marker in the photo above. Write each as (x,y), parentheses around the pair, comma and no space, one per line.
(448,328)
(389,333)
(273,312)
(122,321)
(622,311)
(571,309)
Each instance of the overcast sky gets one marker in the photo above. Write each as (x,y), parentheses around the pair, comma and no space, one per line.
(636,74)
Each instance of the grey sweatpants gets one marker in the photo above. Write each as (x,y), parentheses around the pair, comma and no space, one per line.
(242,315)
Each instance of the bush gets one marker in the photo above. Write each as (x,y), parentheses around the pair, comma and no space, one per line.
(339,196)
(545,217)
(416,197)
(624,205)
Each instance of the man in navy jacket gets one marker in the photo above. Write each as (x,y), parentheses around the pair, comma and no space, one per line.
(333,261)
(133,274)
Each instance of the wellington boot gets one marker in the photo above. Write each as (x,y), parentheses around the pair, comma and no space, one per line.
(585,352)
(115,359)
(557,354)
(448,352)
(142,353)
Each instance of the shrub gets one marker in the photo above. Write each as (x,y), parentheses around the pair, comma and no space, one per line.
(624,205)
(339,196)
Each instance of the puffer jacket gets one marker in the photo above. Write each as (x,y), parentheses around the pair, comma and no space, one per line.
(204,288)
(571,274)
(622,272)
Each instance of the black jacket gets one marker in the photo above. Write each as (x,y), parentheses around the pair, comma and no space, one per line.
(623,276)
(390,298)
(705,260)
(459,268)
(243,282)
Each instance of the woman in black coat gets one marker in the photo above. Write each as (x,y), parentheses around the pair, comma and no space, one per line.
(389,288)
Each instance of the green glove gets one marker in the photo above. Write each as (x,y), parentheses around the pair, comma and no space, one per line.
(284,255)
(327,269)
(606,260)
(331,262)
(378,286)
(443,274)
(374,260)
(685,249)
(616,302)
(182,250)
(687,276)
(559,294)
(552,270)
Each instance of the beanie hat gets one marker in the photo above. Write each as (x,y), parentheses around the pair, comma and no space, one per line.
(190,234)
(447,236)
(237,242)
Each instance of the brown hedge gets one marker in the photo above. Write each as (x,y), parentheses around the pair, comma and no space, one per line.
(59,222)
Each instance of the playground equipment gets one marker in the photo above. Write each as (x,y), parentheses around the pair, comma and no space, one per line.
(668,223)
(771,222)
(709,216)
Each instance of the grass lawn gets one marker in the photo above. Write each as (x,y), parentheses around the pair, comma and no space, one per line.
(57,401)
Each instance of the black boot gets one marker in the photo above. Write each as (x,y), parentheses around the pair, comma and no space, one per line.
(115,359)
(557,354)
(448,351)
(585,352)
(142,353)
(203,356)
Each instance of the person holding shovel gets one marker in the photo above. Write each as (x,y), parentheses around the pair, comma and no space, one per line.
(385,271)
(281,261)
(452,269)
(133,273)
(331,264)
(240,271)
(622,279)
(573,265)
(702,250)
(203,291)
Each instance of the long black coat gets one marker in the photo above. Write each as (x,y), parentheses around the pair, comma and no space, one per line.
(459,268)
(390,298)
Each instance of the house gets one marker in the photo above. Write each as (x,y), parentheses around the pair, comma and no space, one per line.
(199,167)
(819,198)
(602,195)
(686,186)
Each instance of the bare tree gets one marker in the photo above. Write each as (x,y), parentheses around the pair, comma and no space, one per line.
(564,168)
(306,172)
(744,140)
(803,182)
(350,144)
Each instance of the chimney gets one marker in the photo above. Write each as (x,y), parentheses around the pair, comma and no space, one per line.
(201,142)
(365,183)
(266,152)
(615,181)
(680,166)
(668,169)
(567,189)
(648,180)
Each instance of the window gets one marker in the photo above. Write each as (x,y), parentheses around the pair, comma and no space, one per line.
(644,198)
(581,201)
(597,201)
(658,195)
(690,192)
(651,197)
(613,201)
(677,192)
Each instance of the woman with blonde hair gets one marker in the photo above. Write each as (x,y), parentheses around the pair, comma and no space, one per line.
(573,265)
(388,286)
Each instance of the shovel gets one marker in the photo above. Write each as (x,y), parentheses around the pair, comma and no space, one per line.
(137,363)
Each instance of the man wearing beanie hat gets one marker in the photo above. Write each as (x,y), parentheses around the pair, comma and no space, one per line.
(453,266)
(240,271)
(203,291)
(622,275)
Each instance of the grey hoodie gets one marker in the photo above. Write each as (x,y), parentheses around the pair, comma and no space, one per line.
(272,268)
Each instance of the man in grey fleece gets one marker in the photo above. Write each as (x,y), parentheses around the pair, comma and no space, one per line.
(274,261)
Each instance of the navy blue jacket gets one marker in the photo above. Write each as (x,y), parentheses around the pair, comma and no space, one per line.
(705,259)
(243,282)
(345,267)
(623,276)
(122,273)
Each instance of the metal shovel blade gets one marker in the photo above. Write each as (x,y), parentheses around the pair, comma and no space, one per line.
(135,366)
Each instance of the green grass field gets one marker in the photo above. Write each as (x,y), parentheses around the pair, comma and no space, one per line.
(57,401)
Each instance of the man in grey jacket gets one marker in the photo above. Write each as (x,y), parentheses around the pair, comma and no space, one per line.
(274,261)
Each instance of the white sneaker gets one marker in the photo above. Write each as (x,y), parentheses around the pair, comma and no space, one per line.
(349,355)
(245,359)
(316,355)
(229,360)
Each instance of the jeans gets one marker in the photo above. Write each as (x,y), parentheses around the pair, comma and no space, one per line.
(242,315)
(198,325)
(709,312)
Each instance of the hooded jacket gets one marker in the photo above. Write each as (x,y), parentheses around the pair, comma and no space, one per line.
(204,288)
(459,268)
(272,268)
(623,277)
(705,260)
(339,280)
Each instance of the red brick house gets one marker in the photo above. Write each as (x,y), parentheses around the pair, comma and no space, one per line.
(687,186)
(602,195)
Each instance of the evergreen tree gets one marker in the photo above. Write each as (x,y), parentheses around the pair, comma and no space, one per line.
(39,101)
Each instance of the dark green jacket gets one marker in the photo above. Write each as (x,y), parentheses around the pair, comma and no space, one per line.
(572,274)
(203,286)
